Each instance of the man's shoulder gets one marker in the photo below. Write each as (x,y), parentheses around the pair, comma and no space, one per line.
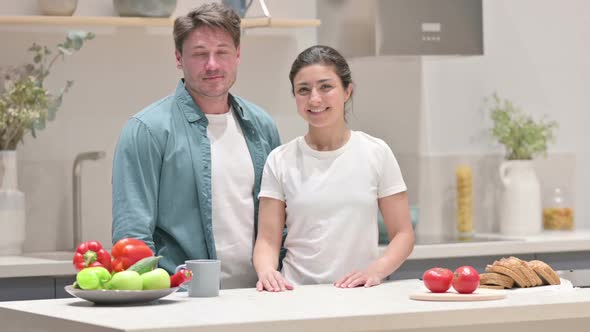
(253,111)
(157,111)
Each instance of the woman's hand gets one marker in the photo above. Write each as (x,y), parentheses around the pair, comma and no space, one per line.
(272,281)
(359,278)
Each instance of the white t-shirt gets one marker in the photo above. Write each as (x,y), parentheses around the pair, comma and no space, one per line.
(331,204)
(232,180)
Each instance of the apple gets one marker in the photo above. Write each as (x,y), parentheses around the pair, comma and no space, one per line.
(466,280)
(126,280)
(156,279)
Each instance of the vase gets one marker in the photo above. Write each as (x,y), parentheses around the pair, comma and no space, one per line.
(239,6)
(12,206)
(58,7)
(520,212)
(145,8)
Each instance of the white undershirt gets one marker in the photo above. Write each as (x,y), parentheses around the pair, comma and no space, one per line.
(331,204)
(232,180)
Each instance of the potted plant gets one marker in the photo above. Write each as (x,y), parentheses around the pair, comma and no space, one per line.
(524,139)
(25,106)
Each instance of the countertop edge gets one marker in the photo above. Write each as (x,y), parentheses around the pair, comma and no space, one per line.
(331,309)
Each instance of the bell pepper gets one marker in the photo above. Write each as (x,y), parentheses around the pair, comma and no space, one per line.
(180,277)
(93,278)
(91,254)
(127,252)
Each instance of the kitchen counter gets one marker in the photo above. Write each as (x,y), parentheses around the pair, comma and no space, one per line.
(545,242)
(37,264)
(311,308)
(59,263)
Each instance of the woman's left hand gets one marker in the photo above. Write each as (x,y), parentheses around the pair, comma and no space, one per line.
(358,278)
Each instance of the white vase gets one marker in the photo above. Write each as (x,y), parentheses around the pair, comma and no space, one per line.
(12,207)
(520,212)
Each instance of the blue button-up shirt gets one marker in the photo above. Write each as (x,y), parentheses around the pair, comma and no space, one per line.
(162,175)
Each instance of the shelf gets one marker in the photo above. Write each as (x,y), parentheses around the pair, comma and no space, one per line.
(247,23)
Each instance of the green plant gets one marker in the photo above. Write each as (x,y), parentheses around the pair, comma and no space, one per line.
(25,104)
(521,135)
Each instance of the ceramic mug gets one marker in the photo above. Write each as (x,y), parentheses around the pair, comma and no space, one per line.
(206,277)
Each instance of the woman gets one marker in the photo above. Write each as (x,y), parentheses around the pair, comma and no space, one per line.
(327,186)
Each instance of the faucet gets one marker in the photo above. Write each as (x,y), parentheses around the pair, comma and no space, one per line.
(77,192)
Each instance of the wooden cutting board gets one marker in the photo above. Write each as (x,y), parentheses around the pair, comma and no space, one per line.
(480,294)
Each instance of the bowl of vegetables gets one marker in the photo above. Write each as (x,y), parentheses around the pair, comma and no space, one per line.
(127,275)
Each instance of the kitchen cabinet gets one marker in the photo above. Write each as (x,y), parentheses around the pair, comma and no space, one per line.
(561,250)
(577,260)
(414,268)
(34,288)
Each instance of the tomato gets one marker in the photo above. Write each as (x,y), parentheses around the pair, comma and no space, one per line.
(465,280)
(437,279)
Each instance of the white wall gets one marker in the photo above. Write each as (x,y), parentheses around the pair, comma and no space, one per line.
(537,54)
(428,109)
(117,74)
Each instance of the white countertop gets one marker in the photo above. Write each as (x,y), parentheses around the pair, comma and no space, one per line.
(60,263)
(545,242)
(310,308)
(55,263)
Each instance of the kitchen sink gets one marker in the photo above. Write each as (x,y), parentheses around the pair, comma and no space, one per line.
(51,255)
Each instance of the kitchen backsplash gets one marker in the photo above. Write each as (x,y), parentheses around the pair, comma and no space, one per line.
(437,189)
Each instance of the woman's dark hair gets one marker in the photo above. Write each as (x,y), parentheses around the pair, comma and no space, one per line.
(322,55)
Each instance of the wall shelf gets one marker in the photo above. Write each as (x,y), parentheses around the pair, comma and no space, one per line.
(247,23)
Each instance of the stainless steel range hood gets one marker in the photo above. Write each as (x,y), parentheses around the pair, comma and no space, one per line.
(401,27)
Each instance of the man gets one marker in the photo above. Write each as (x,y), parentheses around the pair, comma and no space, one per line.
(187,169)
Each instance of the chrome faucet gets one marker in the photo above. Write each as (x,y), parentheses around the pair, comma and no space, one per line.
(77,191)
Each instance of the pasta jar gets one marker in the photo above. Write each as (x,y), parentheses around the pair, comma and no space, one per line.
(558,213)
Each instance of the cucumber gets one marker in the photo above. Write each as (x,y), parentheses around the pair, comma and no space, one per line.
(145,264)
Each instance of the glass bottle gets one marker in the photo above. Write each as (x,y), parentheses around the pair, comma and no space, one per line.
(464,180)
(558,213)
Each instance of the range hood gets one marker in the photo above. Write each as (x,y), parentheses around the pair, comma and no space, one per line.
(401,27)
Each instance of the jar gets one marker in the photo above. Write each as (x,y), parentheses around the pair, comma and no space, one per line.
(558,213)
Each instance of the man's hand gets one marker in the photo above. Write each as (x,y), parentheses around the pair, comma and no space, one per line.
(272,281)
(359,278)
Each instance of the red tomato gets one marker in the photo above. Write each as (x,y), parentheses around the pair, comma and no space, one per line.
(437,279)
(465,280)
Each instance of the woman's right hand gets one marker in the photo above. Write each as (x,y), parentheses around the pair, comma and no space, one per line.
(272,281)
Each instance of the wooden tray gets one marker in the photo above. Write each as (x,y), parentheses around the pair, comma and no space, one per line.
(480,294)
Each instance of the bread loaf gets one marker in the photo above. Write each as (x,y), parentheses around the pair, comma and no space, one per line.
(495,279)
(515,272)
(545,272)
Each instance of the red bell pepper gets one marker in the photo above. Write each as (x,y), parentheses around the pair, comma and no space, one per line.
(91,254)
(127,252)
(180,277)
